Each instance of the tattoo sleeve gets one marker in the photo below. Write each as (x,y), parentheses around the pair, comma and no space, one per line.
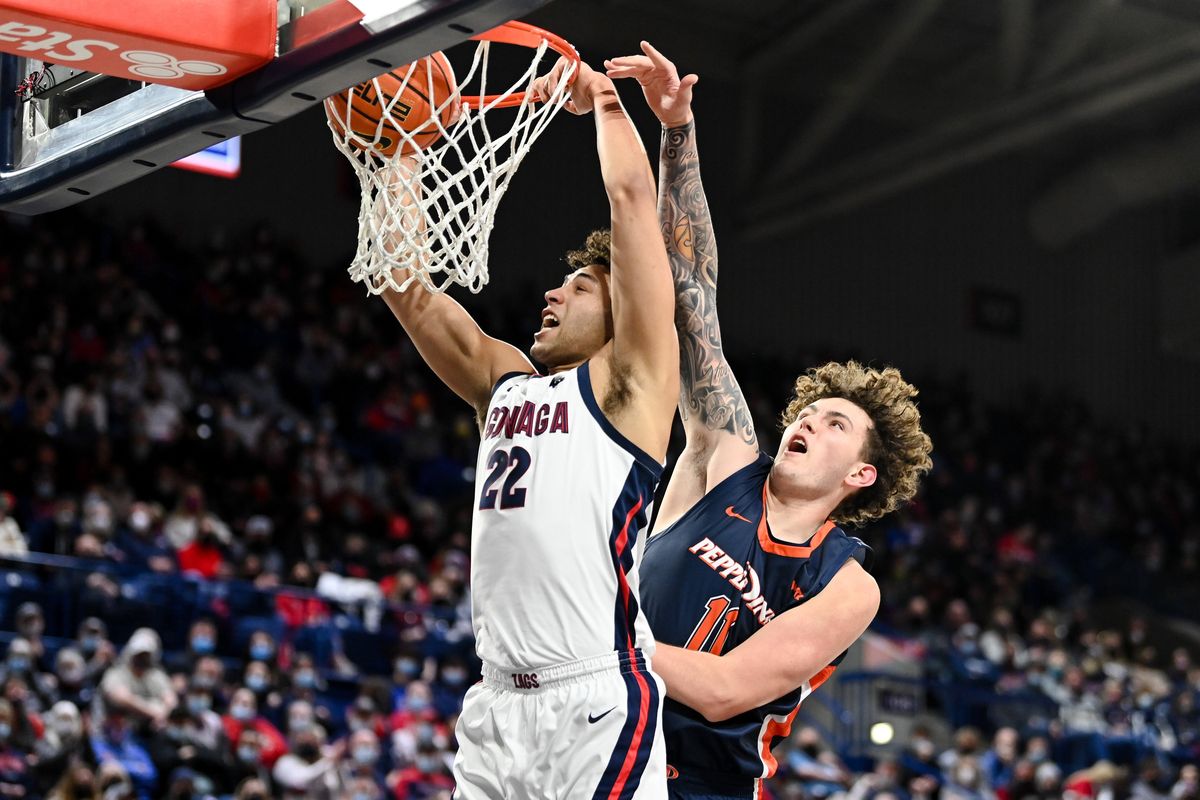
(709,395)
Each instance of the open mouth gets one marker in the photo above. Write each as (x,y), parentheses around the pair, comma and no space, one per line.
(797,445)
(549,320)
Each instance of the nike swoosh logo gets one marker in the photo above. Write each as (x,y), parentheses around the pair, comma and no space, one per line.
(595,719)
(736,515)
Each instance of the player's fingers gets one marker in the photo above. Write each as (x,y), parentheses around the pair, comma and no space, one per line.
(625,72)
(689,81)
(656,57)
(630,61)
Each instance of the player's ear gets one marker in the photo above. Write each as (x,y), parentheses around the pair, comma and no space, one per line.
(862,476)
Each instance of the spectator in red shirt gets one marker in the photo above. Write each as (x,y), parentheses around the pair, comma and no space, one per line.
(203,556)
(243,714)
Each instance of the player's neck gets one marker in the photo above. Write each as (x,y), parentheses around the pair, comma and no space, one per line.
(564,367)
(795,519)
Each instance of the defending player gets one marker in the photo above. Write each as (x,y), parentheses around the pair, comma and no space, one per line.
(744,539)
(568,465)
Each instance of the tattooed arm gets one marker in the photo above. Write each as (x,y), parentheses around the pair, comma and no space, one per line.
(716,418)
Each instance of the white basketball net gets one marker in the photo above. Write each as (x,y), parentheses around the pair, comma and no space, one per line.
(430,214)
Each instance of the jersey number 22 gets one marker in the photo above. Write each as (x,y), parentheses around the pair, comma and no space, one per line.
(516,463)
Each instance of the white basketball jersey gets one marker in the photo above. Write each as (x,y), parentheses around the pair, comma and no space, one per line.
(561,498)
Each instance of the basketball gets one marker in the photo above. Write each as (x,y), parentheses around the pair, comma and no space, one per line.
(381,105)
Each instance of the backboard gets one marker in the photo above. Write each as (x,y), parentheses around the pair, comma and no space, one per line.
(66,134)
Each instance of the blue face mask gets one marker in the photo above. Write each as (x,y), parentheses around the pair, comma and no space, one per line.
(241,713)
(408,667)
(248,755)
(306,679)
(202,644)
(5,730)
(198,703)
(417,704)
(261,652)
(365,754)
(427,764)
(256,683)
(89,644)
(454,677)
(18,664)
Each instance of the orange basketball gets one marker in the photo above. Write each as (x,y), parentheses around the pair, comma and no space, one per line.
(379,104)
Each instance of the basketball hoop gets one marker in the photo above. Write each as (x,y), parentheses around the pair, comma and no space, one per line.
(430,207)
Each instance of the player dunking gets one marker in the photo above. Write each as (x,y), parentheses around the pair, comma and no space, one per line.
(567,468)
(754,585)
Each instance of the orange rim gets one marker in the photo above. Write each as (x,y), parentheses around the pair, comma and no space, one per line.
(521,34)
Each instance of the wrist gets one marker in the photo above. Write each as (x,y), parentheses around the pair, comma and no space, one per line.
(599,84)
(678,122)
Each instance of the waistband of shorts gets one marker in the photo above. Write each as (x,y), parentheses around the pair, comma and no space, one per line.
(535,679)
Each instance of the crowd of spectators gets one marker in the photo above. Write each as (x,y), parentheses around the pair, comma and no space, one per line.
(236,508)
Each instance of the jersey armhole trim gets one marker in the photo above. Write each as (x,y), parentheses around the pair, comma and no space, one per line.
(589,400)
(508,376)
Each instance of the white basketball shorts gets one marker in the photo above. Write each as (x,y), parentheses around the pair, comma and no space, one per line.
(585,729)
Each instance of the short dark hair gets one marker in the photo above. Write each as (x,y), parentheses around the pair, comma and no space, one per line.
(597,249)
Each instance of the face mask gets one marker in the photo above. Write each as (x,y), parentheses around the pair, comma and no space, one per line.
(407,667)
(89,644)
(175,733)
(5,730)
(117,791)
(357,724)
(261,652)
(454,677)
(241,713)
(299,723)
(248,755)
(18,664)
(417,704)
(72,675)
(365,754)
(361,796)
(256,683)
(204,681)
(140,521)
(202,645)
(306,679)
(198,703)
(427,764)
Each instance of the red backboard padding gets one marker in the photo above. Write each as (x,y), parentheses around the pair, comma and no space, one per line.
(190,44)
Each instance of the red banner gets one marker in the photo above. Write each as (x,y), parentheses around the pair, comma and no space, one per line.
(197,44)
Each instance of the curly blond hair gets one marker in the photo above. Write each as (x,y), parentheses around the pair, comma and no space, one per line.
(597,249)
(896,446)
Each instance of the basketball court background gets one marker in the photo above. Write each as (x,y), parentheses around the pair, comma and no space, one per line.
(966,161)
(1004,194)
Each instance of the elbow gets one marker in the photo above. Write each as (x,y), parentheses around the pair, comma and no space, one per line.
(629,186)
(722,702)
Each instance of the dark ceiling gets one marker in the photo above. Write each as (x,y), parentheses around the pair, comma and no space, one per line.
(837,104)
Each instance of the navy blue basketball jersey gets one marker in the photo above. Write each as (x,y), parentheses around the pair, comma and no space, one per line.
(712,579)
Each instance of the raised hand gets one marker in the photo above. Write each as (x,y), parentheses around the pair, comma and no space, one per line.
(586,84)
(668,95)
